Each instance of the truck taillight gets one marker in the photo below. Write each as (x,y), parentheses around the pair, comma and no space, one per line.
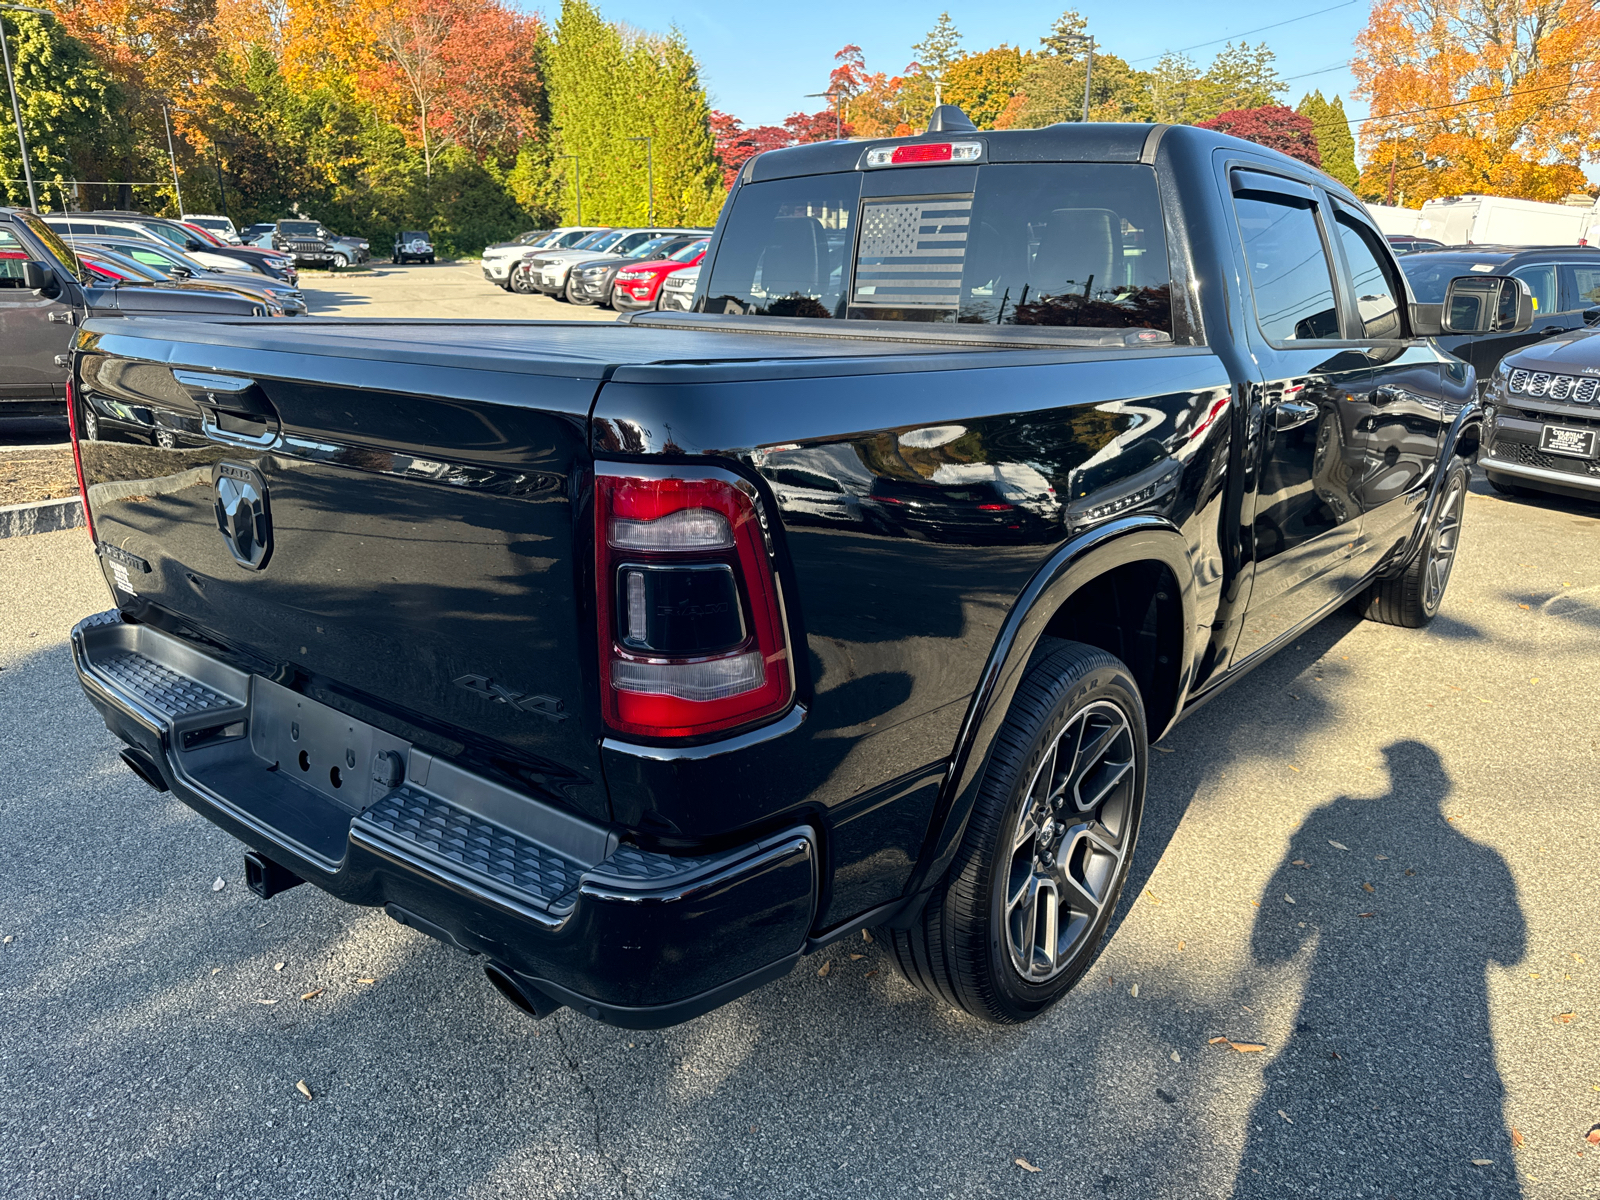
(77,456)
(691,629)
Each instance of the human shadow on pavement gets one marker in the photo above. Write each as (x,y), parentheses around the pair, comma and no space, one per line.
(1388,1086)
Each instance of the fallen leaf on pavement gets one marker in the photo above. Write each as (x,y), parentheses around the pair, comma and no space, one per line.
(1176,1057)
(869,974)
(366,981)
(1134,991)
(1594,1136)
(857,957)
(1286,1116)
(1299,862)
(1216,1041)
(1337,845)
(1516,1138)
(1576,957)
(312,995)
(1486,1162)
(1334,1055)
(1288,899)
(1411,871)
(822,971)
(1367,887)
(866,936)
(266,1001)
(1182,945)
(1370,914)
(1293,768)
(219,884)
(214,970)
(278,967)
(1028,1166)
(1247,1047)
(1522,606)
(303,1089)
(1565,1018)
(1381,857)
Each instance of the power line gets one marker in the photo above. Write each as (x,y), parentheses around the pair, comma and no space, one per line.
(1478,103)
(1247,32)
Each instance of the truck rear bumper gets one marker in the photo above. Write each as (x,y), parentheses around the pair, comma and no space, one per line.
(629,936)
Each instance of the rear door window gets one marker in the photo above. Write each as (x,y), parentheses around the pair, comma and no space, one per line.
(1582,281)
(1289,271)
(1541,281)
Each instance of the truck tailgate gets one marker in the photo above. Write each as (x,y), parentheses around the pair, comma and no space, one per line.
(396,541)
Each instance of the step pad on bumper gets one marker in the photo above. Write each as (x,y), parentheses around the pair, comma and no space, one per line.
(435,829)
(159,688)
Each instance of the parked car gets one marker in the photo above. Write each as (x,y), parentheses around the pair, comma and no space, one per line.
(651,735)
(413,245)
(181,267)
(1564,280)
(499,259)
(108,267)
(1406,244)
(1543,428)
(221,226)
(589,281)
(253,232)
(677,290)
(171,235)
(551,272)
(637,285)
(524,274)
(307,243)
(348,250)
(45,291)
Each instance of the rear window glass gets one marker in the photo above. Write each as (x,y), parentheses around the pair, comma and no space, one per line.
(1063,244)
(1430,274)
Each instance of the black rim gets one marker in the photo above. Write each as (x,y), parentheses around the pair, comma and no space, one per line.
(1442,545)
(1069,841)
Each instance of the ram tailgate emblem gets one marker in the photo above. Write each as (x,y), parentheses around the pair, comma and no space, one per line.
(550,707)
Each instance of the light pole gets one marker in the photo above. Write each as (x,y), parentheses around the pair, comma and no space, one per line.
(1087,42)
(650,168)
(577,181)
(838,118)
(16,108)
(173,159)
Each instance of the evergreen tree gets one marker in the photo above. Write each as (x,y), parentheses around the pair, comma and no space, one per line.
(688,176)
(1335,142)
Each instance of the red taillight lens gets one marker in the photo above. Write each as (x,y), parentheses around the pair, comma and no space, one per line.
(691,631)
(77,457)
(994,508)
(924,152)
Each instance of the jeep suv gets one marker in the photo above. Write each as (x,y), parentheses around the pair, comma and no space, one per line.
(306,242)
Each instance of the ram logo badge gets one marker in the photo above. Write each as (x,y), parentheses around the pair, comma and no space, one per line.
(550,707)
(242,513)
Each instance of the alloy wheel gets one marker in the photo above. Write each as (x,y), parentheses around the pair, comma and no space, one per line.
(1442,545)
(1069,841)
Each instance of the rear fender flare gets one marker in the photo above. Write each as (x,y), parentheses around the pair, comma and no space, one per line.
(1081,560)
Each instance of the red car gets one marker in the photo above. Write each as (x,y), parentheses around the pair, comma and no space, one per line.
(639,286)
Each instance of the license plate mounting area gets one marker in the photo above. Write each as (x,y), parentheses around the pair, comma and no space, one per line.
(1566,441)
(322,748)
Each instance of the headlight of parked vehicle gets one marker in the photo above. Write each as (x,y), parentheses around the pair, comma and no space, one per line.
(632,276)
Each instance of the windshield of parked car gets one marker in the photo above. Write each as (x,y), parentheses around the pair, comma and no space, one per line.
(591,241)
(298,228)
(573,239)
(610,239)
(690,252)
(1430,274)
(52,244)
(531,238)
(175,237)
(1057,244)
(152,255)
(654,248)
(219,224)
(123,264)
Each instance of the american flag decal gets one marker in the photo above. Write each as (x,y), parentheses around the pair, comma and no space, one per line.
(911,253)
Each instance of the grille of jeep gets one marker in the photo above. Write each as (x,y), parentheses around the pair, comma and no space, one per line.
(1579,389)
(1529,456)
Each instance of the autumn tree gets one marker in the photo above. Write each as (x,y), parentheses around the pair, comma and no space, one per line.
(924,82)
(1335,143)
(1479,96)
(982,84)
(736,145)
(1240,76)
(1272,125)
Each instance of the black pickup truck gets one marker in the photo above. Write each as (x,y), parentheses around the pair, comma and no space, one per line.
(642,659)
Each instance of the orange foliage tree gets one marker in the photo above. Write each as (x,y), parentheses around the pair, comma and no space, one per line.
(1478,96)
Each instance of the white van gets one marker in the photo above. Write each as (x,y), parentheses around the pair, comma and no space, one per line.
(1503,221)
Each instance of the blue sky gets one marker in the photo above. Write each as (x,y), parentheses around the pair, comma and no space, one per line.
(760,59)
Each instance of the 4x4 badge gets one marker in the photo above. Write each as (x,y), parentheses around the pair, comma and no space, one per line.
(242,513)
(550,707)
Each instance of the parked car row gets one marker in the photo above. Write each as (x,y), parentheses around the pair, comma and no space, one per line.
(625,269)
(309,243)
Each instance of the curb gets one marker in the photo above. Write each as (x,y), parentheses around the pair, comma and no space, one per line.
(43,516)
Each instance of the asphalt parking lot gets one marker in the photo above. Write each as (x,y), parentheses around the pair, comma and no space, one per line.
(1374,858)
(456,290)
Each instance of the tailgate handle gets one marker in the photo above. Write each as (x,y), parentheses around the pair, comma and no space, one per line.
(232,409)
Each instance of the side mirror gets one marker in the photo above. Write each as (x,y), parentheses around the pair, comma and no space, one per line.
(181,273)
(1591,316)
(194,244)
(37,277)
(1479,304)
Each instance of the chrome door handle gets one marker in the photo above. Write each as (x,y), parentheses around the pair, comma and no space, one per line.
(1287,414)
(249,441)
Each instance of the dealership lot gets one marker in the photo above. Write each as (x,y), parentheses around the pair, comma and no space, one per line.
(156,1029)
(454,290)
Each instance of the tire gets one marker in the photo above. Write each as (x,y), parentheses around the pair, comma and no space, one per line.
(399,260)
(429,260)
(1411,599)
(340,262)
(522,282)
(1504,488)
(572,299)
(985,943)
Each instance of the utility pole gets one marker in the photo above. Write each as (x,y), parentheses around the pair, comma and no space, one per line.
(16,108)
(650,176)
(1088,74)
(172,158)
(577,181)
(838,116)
(1394,158)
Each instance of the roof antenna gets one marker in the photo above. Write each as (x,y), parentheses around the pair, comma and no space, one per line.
(947,118)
